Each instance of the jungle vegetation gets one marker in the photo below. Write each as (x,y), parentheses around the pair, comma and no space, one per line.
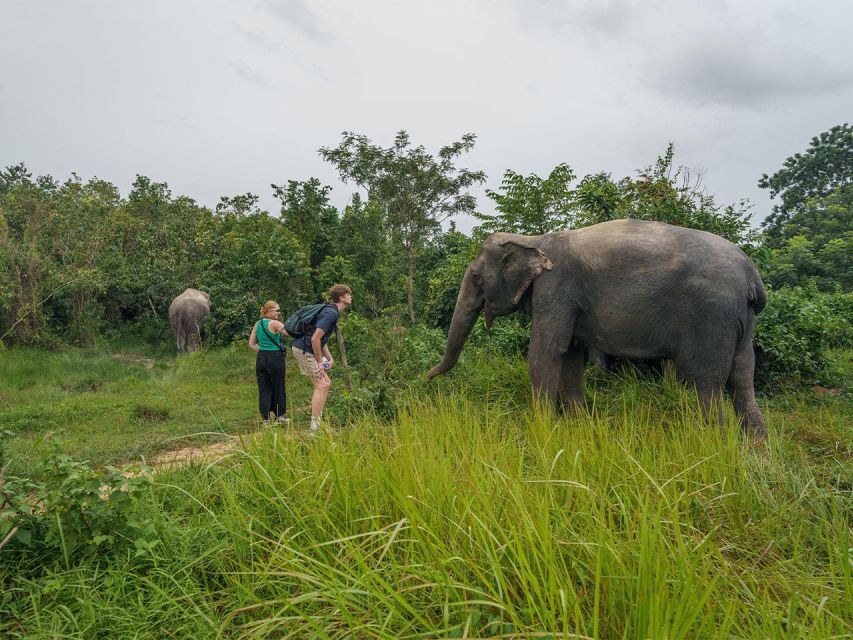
(453,508)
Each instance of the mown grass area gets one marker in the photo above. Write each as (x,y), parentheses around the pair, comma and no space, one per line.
(469,515)
(112,406)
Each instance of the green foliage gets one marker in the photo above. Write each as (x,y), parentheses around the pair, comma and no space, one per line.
(415,189)
(463,517)
(71,512)
(795,333)
(439,272)
(371,265)
(531,205)
(80,260)
(509,335)
(443,288)
(247,261)
(823,168)
(598,197)
(815,244)
(664,193)
(388,361)
(660,192)
(307,213)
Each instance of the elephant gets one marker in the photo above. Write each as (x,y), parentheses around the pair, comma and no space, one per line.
(186,315)
(626,288)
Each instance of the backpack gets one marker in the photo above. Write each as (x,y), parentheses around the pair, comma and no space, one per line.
(299,323)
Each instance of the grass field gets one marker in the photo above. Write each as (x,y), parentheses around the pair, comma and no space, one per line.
(109,407)
(465,515)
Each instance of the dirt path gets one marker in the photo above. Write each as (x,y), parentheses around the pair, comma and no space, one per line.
(125,358)
(210,453)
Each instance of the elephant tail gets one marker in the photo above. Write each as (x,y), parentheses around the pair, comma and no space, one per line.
(756,295)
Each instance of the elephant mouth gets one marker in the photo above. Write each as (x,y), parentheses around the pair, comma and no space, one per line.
(489,317)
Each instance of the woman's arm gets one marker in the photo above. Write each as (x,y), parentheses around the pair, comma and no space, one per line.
(278,327)
(253,339)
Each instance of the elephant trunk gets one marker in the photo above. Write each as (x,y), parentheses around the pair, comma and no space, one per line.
(469,303)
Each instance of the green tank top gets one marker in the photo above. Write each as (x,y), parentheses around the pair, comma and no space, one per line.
(264,342)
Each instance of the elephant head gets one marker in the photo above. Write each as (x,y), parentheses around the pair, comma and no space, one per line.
(495,282)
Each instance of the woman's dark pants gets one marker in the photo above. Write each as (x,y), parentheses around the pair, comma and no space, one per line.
(269,369)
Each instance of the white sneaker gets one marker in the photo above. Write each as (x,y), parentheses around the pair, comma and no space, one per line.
(283,420)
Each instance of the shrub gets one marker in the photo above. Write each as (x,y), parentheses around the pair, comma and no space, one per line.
(73,511)
(386,360)
(795,332)
(509,335)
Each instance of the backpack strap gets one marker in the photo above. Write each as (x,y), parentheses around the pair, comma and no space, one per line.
(310,328)
(269,335)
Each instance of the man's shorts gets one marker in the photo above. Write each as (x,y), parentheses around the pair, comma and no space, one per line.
(308,364)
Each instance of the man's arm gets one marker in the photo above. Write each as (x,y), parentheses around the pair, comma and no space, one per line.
(328,355)
(316,345)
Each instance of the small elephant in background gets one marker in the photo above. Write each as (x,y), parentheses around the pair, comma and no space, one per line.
(624,288)
(186,315)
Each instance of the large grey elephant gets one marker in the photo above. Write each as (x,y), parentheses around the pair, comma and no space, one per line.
(186,315)
(625,288)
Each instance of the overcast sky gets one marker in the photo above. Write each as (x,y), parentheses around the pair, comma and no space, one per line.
(221,98)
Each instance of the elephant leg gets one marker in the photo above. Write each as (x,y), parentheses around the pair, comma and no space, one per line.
(194,337)
(742,391)
(192,340)
(711,402)
(181,339)
(707,372)
(546,365)
(571,379)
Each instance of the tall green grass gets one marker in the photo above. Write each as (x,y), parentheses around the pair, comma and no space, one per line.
(463,517)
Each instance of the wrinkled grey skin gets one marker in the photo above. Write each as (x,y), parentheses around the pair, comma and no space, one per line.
(186,315)
(625,288)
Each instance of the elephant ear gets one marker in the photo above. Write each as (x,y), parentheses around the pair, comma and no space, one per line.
(522,264)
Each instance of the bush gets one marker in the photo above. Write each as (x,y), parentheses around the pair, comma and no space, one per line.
(72,512)
(795,333)
(386,360)
(509,335)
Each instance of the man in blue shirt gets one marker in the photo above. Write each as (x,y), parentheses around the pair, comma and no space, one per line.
(312,353)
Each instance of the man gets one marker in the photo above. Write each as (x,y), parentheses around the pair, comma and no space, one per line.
(311,349)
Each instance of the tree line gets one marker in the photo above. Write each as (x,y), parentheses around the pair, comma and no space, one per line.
(78,260)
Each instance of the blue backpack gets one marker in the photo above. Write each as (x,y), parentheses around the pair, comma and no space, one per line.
(304,320)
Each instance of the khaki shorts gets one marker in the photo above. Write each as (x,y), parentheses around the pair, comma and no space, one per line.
(308,365)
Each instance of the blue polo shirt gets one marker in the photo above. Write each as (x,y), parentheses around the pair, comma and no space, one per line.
(327,320)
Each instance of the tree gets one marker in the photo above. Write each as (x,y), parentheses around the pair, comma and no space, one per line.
(531,205)
(825,166)
(597,197)
(664,193)
(306,211)
(816,244)
(27,216)
(416,190)
(238,206)
(364,242)
(80,234)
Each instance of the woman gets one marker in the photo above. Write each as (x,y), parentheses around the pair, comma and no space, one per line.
(265,340)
